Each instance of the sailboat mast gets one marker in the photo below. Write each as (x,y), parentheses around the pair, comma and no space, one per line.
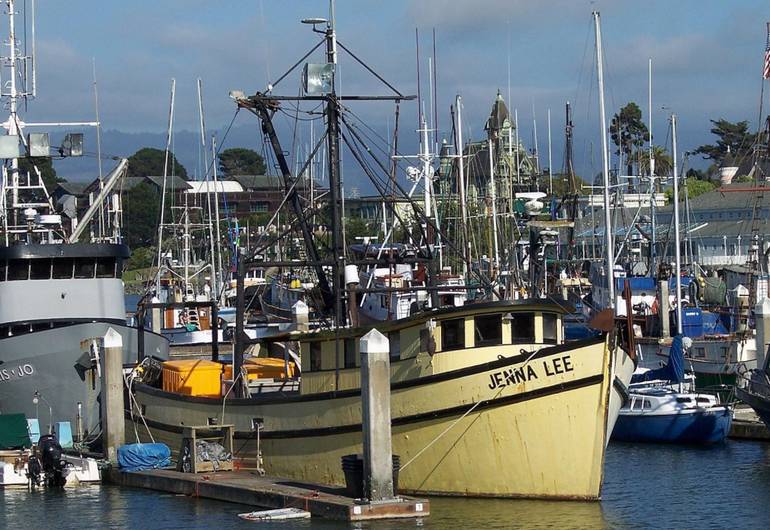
(609,243)
(653,185)
(461,184)
(204,150)
(165,176)
(677,252)
(550,161)
(493,192)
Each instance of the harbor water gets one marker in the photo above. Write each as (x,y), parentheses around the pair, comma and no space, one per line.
(646,486)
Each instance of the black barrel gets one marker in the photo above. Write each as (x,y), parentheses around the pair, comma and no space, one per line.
(353,467)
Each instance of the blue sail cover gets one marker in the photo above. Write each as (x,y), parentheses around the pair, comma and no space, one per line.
(674,369)
(136,457)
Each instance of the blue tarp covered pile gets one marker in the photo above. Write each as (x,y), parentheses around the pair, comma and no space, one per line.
(137,457)
(674,369)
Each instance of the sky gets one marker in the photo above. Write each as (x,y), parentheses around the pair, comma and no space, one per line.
(707,59)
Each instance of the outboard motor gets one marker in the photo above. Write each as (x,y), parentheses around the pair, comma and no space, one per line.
(50,453)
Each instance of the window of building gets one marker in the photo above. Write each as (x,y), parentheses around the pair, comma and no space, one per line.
(315,356)
(523,327)
(394,339)
(350,352)
(550,322)
(453,334)
(105,267)
(85,268)
(40,269)
(18,269)
(488,330)
(62,268)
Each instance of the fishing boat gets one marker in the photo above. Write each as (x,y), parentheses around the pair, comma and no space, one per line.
(664,407)
(55,291)
(486,400)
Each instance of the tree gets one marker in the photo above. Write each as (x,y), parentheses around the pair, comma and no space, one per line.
(629,133)
(734,142)
(141,209)
(561,185)
(150,161)
(45,166)
(240,161)
(663,161)
(693,187)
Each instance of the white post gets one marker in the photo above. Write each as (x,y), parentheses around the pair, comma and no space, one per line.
(609,243)
(113,420)
(677,252)
(375,409)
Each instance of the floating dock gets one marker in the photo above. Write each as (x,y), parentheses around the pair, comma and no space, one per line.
(249,488)
(747,426)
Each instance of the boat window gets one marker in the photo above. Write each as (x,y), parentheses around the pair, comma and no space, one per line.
(350,352)
(647,404)
(40,269)
(453,334)
(18,269)
(523,327)
(3,268)
(703,400)
(637,404)
(315,356)
(394,338)
(700,352)
(489,330)
(549,327)
(84,268)
(62,269)
(105,267)
(683,400)
(427,344)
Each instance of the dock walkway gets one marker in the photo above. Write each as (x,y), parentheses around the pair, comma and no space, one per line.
(747,426)
(249,488)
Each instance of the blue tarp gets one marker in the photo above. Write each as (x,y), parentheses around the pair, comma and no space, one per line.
(637,284)
(674,369)
(136,457)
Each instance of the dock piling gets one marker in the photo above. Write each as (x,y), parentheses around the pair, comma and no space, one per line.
(375,405)
(762,323)
(113,421)
(663,310)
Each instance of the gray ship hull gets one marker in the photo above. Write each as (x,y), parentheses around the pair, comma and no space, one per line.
(52,363)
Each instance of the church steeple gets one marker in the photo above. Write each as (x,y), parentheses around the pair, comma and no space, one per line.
(499,120)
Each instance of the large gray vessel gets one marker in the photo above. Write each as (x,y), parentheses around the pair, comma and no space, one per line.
(55,292)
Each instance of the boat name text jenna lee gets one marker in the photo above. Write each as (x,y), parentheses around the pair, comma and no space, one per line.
(522,374)
(22,370)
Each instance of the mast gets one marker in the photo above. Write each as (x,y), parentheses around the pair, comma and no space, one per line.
(461,184)
(493,192)
(609,243)
(677,253)
(550,161)
(333,145)
(204,149)
(165,176)
(653,185)
(572,207)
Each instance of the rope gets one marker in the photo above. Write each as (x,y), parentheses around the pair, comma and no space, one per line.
(129,385)
(475,405)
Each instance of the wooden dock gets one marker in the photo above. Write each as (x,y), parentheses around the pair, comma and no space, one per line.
(249,488)
(747,426)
